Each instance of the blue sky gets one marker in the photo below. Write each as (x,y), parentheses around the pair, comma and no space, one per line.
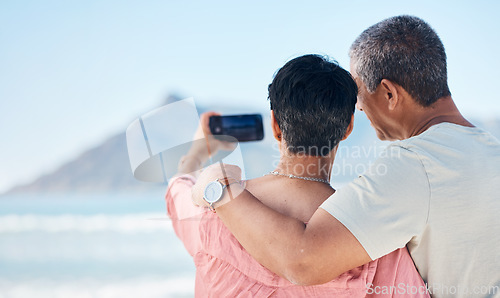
(73,73)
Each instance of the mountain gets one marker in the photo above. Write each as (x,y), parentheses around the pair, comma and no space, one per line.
(106,168)
(103,168)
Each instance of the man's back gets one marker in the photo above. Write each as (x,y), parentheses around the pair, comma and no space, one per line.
(463,226)
(439,192)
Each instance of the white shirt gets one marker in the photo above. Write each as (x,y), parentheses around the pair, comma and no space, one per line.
(439,194)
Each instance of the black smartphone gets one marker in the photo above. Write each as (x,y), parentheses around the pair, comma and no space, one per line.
(244,128)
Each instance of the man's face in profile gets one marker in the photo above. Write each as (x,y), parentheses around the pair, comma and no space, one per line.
(374,106)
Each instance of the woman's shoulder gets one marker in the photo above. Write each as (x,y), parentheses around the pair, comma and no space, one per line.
(292,197)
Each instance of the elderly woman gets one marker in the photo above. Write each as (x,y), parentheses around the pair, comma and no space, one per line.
(312,106)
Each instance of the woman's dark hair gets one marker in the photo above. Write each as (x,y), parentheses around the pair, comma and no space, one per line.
(313,100)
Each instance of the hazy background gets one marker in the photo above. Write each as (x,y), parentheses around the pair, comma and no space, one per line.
(74,74)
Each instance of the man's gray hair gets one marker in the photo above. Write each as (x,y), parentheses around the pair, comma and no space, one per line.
(405,50)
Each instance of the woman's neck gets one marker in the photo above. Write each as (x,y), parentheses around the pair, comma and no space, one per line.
(306,166)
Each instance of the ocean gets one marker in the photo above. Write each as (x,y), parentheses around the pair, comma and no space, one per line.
(105,245)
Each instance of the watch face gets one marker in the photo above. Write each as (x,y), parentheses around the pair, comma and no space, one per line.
(213,192)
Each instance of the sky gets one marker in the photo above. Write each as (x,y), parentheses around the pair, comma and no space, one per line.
(73,73)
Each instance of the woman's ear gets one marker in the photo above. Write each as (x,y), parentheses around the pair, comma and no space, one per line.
(349,128)
(275,127)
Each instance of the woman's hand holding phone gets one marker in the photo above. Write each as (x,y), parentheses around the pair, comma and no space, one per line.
(204,146)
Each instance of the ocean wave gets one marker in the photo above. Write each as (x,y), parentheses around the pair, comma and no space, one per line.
(125,223)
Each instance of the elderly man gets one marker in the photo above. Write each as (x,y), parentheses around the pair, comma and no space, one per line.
(438,193)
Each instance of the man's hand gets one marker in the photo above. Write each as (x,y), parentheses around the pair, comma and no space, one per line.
(212,173)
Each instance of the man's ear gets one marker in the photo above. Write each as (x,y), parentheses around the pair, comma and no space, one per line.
(391,93)
(349,128)
(275,127)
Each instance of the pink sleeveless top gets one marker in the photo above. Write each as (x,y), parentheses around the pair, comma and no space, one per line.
(225,269)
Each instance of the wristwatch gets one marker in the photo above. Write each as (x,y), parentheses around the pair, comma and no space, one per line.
(214,192)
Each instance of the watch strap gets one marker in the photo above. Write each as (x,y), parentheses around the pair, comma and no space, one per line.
(227,181)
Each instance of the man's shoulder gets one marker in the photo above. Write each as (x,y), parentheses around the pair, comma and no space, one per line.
(441,138)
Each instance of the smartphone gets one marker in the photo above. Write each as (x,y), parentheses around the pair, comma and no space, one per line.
(244,128)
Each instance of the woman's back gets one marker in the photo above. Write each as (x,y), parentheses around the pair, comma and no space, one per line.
(225,269)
